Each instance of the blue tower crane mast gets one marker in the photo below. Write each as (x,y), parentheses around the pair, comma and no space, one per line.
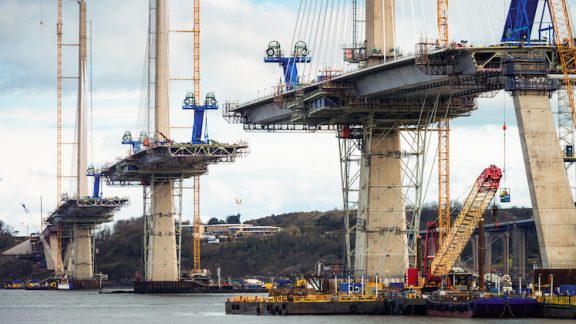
(289,64)
(91,172)
(210,103)
(520,22)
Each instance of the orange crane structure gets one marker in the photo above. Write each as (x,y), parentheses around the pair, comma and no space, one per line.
(443,139)
(565,46)
(196,77)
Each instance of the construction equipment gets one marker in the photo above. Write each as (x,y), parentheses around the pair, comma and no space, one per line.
(45,244)
(465,224)
(442,21)
(443,140)
(209,104)
(196,77)
(289,64)
(564,39)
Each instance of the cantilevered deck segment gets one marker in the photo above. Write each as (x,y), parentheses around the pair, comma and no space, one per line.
(170,162)
(401,90)
(86,210)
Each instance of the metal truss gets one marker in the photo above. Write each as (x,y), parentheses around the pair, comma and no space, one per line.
(409,191)
(177,191)
(350,161)
(565,125)
(148,219)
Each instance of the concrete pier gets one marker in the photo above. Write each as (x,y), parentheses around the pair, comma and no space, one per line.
(161,261)
(518,253)
(381,243)
(550,193)
(505,253)
(82,253)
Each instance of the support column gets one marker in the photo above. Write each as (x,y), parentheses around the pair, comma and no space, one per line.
(552,201)
(474,245)
(162,263)
(380,24)
(81,131)
(57,253)
(506,253)
(83,263)
(518,253)
(488,254)
(381,242)
(161,260)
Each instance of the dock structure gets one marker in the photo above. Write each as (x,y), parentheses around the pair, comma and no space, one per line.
(160,165)
(372,107)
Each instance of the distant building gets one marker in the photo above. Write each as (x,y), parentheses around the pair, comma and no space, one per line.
(238,230)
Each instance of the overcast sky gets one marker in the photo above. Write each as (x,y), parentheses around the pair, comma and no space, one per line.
(283,172)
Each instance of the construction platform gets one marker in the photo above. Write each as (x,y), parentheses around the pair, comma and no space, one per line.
(170,162)
(86,210)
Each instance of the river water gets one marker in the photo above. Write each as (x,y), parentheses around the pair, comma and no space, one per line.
(21,306)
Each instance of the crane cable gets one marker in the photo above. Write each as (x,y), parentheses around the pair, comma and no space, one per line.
(504,127)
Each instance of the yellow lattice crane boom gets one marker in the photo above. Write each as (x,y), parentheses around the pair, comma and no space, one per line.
(465,224)
(442,18)
(565,45)
(443,178)
(443,139)
(196,77)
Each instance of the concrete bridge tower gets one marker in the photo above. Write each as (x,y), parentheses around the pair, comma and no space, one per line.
(381,245)
(161,237)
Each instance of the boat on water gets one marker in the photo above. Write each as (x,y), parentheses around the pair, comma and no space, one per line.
(325,304)
(15,284)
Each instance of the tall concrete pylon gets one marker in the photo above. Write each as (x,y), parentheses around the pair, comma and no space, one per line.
(381,243)
(81,263)
(161,256)
(380,30)
(552,202)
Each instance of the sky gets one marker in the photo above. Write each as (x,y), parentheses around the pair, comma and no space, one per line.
(283,172)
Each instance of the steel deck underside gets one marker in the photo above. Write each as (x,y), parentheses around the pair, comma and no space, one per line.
(86,210)
(397,91)
(168,162)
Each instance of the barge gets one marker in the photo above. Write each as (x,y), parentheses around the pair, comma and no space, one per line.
(325,304)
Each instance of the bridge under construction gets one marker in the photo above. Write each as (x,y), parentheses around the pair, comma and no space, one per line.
(395,99)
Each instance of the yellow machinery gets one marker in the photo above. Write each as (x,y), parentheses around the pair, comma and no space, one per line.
(197,224)
(443,139)
(465,224)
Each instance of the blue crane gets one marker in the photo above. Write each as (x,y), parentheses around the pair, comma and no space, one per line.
(520,22)
(210,103)
(91,172)
(289,64)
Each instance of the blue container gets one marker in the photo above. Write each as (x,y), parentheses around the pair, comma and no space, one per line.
(569,290)
(397,285)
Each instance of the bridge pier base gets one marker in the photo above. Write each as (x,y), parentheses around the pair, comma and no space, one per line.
(475,245)
(488,254)
(161,260)
(381,242)
(505,253)
(82,253)
(518,253)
